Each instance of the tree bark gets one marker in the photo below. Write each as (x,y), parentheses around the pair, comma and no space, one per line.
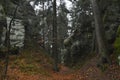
(100,33)
(54,45)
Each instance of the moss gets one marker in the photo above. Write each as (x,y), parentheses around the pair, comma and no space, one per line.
(118,31)
(117,43)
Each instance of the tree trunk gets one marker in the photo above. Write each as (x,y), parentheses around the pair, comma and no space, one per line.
(54,45)
(27,39)
(43,45)
(100,33)
(1,31)
(2,24)
(93,42)
(8,43)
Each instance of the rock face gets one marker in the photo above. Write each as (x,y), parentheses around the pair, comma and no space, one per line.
(16,33)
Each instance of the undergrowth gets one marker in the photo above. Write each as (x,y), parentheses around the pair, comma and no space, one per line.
(31,62)
(83,61)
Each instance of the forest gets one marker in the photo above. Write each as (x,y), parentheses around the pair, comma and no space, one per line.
(59,39)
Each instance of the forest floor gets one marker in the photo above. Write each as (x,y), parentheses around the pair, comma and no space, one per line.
(39,67)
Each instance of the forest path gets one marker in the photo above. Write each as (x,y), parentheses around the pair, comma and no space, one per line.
(89,71)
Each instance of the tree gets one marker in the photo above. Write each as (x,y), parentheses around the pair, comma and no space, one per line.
(62,23)
(81,19)
(100,33)
(54,45)
(2,21)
